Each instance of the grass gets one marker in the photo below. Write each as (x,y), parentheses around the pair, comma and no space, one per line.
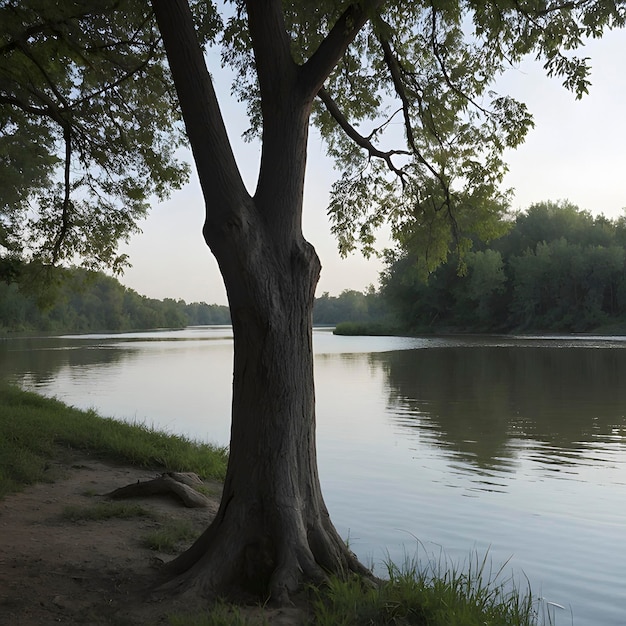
(438,594)
(35,430)
(169,537)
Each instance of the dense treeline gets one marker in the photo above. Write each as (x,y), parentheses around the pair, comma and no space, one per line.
(350,306)
(78,300)
(557,269)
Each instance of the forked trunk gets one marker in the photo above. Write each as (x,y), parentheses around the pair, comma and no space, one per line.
(272,531)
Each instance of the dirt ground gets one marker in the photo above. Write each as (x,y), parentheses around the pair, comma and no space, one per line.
(53,570)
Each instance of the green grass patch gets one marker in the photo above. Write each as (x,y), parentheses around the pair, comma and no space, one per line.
(439,595)
(169,537)
(34,430)
(105,511)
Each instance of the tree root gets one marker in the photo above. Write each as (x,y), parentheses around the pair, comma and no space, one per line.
(175,483)
(234,561)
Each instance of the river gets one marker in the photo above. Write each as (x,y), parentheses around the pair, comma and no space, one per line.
(442,448)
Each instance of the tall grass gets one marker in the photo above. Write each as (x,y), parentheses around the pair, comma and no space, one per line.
(34,429)
(437,594)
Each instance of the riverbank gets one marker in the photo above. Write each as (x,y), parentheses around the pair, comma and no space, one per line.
(378,329)
(69,554)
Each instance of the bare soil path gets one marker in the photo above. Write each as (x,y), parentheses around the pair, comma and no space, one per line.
(54,570)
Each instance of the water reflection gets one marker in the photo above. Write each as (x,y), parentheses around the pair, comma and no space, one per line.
(486,403)
(35,361)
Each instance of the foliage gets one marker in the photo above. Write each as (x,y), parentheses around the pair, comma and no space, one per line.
(557,269)
(350,305)
(411,117)
(78,300)
(89,119)
(89,126)
(33,428)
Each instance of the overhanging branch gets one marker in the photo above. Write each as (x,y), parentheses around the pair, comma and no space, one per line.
(66,204)
(361,140)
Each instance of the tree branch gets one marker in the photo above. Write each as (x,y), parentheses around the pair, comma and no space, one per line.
(322,62)
(135,70)
(396,77)
(443,67)
(45,27)
(551,8)
(30,108)
(272,48)
(361,140)
(65,206)
(222,185)
(51,84)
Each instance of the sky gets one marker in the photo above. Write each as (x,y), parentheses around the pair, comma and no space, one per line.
(575,152)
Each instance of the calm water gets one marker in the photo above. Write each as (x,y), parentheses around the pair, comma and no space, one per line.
(515,446)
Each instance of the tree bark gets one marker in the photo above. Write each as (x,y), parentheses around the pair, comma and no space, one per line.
(272,531)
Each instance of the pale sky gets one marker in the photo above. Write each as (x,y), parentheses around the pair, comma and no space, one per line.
(575,152)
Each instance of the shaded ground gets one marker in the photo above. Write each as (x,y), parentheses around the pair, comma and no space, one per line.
(54,570)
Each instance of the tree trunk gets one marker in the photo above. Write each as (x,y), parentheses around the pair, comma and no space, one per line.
(272,531)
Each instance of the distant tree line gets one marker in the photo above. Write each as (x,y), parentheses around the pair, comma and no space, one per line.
(557,269)
(34,298)
(79,300)
(350,306)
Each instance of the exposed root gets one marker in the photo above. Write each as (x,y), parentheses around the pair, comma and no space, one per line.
(242,565)
(174,483)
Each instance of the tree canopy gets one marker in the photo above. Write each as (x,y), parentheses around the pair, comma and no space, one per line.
(89,127)
(409,111)
(89,123)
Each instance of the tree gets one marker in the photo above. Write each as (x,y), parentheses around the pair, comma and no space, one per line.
(486,279)
(272,527)
(342,65)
